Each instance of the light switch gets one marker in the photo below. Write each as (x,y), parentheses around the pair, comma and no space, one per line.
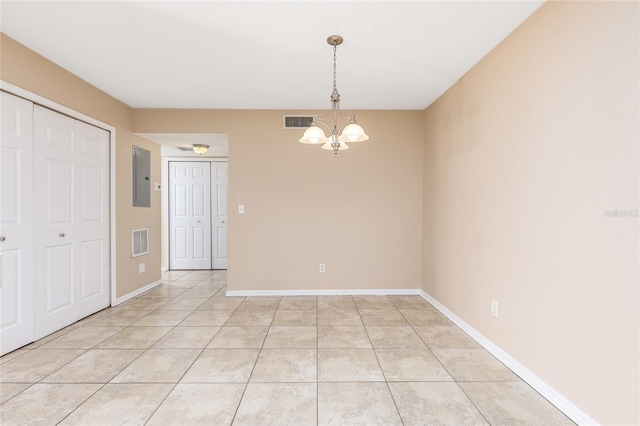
(240,208)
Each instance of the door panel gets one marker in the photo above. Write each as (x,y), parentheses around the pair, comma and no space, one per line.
(200,242)
(71,157)
(198,198)
(92,274)
(92,199)
(11,169)
(16,223)
(59,191)
(189,215)
(180,239)
(59,278)
(222,243)
(220,217)
(10,293)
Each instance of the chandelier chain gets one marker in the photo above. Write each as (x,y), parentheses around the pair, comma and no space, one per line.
(334,66)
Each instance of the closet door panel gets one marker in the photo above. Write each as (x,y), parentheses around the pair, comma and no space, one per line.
(58,186)
(219,187)
(71,157)
(58,283)
(16,223)
(92,269)
(92,213)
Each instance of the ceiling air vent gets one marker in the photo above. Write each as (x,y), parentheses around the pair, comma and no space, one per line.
(185,148)
(297,121)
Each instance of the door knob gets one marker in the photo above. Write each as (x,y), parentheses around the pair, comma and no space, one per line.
(62,234)
(2,238)
(223,222)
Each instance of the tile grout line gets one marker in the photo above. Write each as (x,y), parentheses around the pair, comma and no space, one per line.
(254,364)
(386,382)
(444,367)
(192,363)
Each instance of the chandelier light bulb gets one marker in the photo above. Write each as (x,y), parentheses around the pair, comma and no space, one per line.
(353,133)
(313,135)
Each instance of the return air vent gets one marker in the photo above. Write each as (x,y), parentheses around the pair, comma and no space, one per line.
(139,242)
(297,121)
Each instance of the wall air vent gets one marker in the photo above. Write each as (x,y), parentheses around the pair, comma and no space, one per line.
(139,242)
(297,121)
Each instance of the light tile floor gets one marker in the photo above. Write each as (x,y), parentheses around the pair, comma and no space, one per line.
(184,353)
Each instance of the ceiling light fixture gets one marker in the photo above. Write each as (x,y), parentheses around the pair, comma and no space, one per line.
(349,130)
(200,149)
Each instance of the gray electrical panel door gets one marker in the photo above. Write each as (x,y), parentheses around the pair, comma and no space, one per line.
(141,177)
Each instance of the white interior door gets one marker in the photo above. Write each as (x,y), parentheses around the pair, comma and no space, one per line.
(219,184)
(72,221)
(16,223)
(189,215)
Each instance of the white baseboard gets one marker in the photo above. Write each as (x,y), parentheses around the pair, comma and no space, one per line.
(562,403)
(163,269)
(355,292)
(135,293)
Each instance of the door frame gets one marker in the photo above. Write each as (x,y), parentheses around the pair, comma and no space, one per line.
(165,199)
(42,101)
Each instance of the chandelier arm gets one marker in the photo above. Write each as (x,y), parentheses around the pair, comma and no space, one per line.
(347,116)
(322,117)
(318,121)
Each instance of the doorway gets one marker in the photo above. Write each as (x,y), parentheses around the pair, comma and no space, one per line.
(197,204)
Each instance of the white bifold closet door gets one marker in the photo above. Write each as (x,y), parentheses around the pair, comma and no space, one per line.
(197,215)
(54,221)
(71,221)
(16,223)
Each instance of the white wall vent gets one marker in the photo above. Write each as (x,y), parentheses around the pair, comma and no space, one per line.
(139,242)
(297,121)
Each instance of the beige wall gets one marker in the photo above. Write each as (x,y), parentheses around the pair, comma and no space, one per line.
(358,212)
(522,158)
(26,69)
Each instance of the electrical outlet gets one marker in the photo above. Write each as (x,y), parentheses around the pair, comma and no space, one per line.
(323,268)
(240,208)
(494,308)
(141,268)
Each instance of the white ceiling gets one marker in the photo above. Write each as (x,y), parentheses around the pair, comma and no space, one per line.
(265,54)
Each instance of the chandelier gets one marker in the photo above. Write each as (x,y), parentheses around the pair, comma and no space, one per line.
(348,130)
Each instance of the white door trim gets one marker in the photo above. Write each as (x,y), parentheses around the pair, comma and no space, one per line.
(165,197)
(39,100)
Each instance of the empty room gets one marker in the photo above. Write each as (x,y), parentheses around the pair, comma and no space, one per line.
(320,212)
